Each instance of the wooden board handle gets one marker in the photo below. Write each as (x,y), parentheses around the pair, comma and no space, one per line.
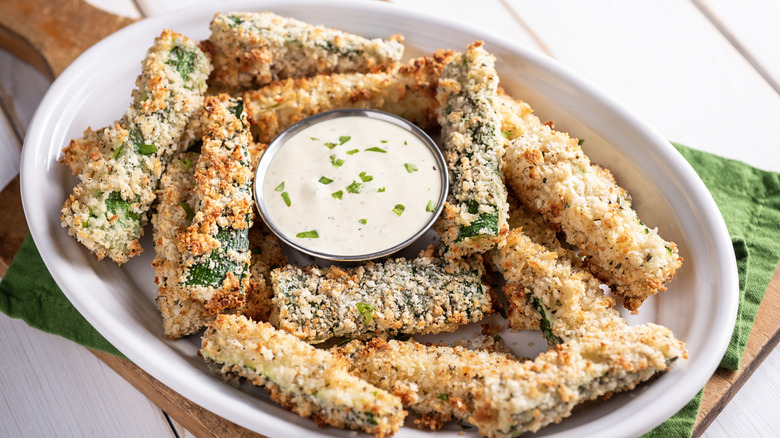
(50,34)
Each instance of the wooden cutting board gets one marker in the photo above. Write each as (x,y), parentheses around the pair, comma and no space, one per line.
(49,35)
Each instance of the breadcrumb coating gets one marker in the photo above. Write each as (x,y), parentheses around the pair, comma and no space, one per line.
(253,49)
(120,166)
(423,295)
(551,174)
(310,382)
(406,90)
(474,216)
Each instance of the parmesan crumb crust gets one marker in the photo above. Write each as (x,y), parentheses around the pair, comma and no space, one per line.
(406,90)
(551,174)
(120,166)
(424,295)
(254,49)
(310,382)
(474,217)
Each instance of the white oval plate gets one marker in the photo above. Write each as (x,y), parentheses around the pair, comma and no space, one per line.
(700,305)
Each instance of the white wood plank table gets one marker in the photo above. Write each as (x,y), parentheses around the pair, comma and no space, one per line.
(703,72)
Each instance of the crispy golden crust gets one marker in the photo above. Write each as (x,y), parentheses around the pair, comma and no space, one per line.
(551,174)
(406,90)
(533,394)
(214,246)
(310,382)
(474,217)
(181,313)
(436,381)
(423,295)
(120,167)
(254,49)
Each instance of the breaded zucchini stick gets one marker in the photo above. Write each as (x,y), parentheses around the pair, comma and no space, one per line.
(424,295)
(182,314)
(310,382)
(533,394)
(437,382)
(253,49)
(569,299)
(108,208)
(215,245)
(551,174)
(474,218)
(406,90)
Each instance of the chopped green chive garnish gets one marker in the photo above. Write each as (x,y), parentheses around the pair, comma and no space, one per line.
(355,187)
(312,234)
(147,149)
(405,143)
(314,138)
(496,338)
(380,190)
(336,161)
(325,180)
(579,142)
(363,221)
(506,134)
(187,210)
(398,209)
(647,231)
(186,162)
(410,167)
(465,427)
(431,207)
(352,152)
(367,310)
(343,139)
(383,141)
(443,397)
(365,178)
(286,198)
(669,250)
(376,149)
(280,187)
(330,145)
(338,194)
(117,152)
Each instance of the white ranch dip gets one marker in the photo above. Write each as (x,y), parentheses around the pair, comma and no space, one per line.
(351,186)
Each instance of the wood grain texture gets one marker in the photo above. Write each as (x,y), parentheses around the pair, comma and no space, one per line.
(50,34)
(198,421)
(77,389)
(763,338)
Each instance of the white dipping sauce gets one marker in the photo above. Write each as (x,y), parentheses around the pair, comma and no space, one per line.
(360,185)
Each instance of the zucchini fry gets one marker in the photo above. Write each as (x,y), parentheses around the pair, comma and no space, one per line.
(108,208)
(474,217)
(310,382)
(215,245)
(530,395)
(254,49)
(424,295)
(437,382)
(551,174)
(406,90)
(182,314)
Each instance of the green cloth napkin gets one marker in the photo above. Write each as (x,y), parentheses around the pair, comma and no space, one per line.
(748,198)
